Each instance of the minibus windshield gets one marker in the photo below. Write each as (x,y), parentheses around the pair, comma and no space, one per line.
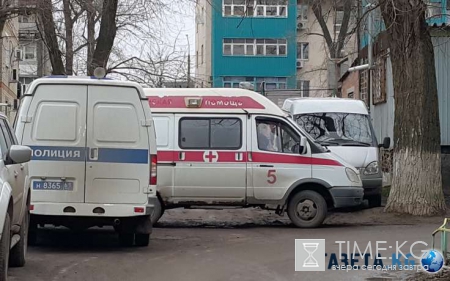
(337,129)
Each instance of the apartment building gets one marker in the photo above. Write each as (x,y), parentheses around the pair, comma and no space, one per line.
(279,42)
(34,59)
(9,67)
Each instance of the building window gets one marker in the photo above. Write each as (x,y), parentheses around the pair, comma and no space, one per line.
(255,8)
(272,83)
(338,21)
(434,10)
(364,85)
(202,54)
(303,86)
(196,58)
(30,53)
(302,13)
(254,47)
(302,51)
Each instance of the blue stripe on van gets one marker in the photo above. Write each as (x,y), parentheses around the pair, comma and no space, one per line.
(118,155)
(79,154)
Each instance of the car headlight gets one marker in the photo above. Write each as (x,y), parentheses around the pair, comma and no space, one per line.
(372,169)
(352,175)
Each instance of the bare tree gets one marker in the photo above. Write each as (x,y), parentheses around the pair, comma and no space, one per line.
(417,186)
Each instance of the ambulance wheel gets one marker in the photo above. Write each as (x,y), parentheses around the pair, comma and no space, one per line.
(126,239)
(158,211)
(307,209)
(142,240)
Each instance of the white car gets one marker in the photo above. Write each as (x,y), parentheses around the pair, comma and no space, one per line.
(14,200)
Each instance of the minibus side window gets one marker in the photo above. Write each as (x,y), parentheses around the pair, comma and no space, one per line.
(277,137)
(210,133)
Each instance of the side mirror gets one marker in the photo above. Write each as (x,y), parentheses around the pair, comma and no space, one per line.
(303,146)
(18,154)
(386,143)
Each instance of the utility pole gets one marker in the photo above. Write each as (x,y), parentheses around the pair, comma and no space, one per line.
(368,66)
(189,63)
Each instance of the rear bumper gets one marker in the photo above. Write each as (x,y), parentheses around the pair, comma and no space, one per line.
(87,209)
(347,196)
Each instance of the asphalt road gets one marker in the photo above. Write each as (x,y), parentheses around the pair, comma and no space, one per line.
(256,252)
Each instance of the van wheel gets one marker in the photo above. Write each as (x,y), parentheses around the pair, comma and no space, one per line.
(19,252)
(5,243)
(374,201)
(307,209)
(126,239)
(142,240)
(158,211)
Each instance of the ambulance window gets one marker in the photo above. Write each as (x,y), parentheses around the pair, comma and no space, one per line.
(226,133)
(210,133)
(194,133)
(277,137)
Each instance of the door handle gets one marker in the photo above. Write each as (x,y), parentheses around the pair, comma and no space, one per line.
(266,166)
(181,155)
(93,154)
(16,174)
(21,167)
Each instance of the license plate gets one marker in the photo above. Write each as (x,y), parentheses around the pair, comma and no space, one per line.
(52,185)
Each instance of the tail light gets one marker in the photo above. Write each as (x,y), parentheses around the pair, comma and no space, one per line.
(153,169)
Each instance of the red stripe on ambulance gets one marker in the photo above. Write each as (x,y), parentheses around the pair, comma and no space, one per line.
(211,156)
(205,102)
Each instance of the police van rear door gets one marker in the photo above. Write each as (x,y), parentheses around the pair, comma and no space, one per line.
(55,128)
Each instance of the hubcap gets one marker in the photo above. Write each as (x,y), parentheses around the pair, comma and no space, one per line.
(306,209)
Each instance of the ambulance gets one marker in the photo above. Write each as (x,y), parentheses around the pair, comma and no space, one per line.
(94,155)
(234,147)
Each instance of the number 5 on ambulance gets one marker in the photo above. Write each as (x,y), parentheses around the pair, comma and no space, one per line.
(235,147)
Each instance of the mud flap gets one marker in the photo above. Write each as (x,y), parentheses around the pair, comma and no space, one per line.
(144,226)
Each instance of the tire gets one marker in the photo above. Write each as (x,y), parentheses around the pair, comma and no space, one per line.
(5,243)
(19,252)
(126,239)
(157,212)
(142,240)
(375,201)
(314,209)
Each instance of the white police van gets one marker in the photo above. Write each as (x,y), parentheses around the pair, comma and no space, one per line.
(94,155)
(235,147)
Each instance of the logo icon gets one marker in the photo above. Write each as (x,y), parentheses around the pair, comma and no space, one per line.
(309,254)
(210,156)
(432,261)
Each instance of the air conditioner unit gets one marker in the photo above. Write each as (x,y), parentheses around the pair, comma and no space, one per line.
(301,25)
(19,54)
(300,63)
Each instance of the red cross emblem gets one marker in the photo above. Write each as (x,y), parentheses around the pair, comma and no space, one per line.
(210,156)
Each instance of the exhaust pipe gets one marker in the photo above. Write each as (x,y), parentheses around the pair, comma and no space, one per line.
(116,221)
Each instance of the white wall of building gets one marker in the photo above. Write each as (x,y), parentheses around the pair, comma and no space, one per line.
(203,43)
